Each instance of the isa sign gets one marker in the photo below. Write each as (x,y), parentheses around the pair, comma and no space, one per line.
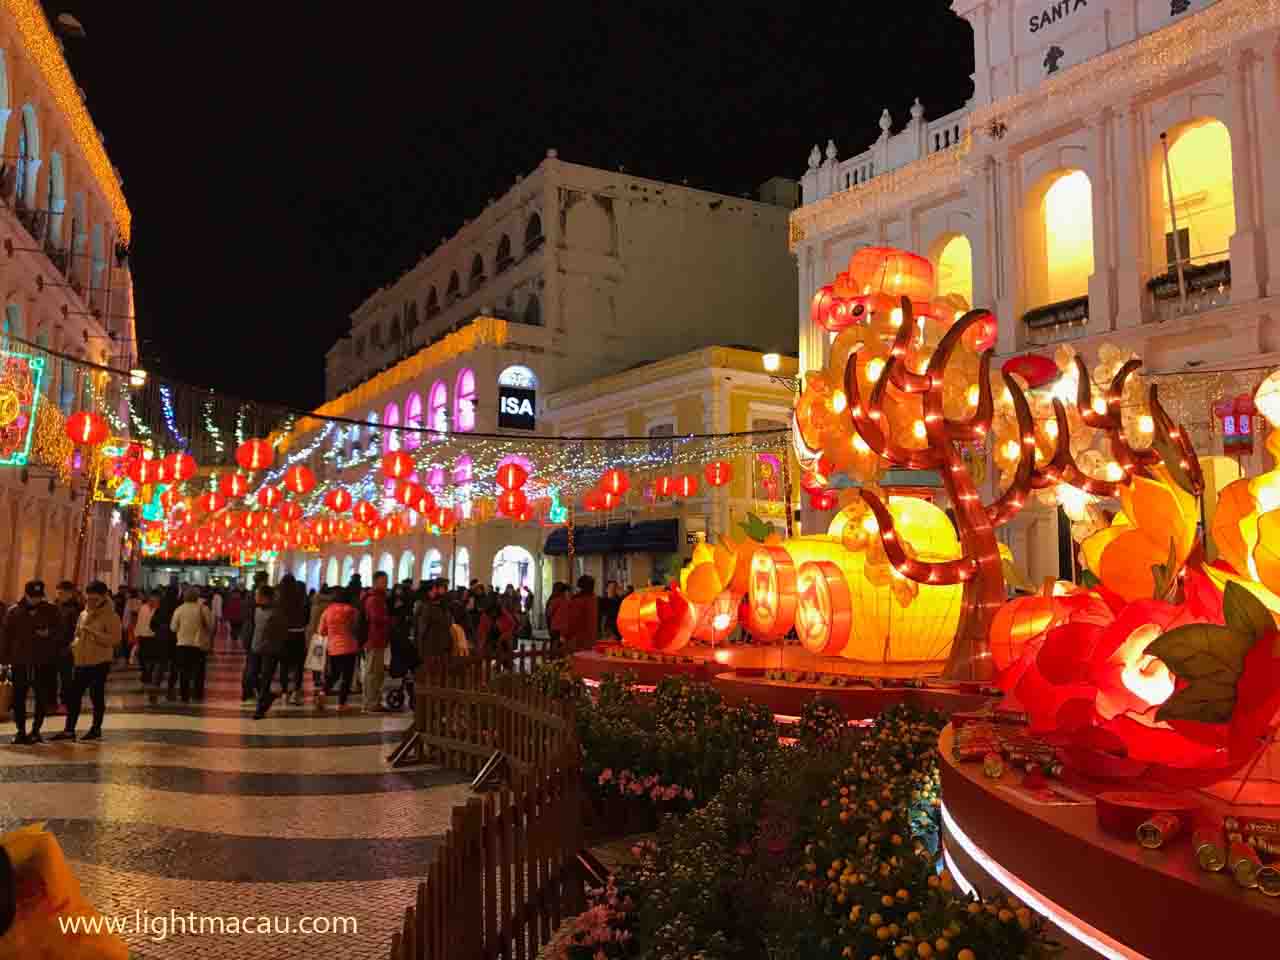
(516,408)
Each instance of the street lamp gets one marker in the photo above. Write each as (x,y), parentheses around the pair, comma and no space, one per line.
(137,377)
(772,363)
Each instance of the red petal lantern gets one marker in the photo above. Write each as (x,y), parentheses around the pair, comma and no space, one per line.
(615,482)
(512,476)
(718,473)
(338,500)
(665,486)
(687,485)
(823,500)
(254,455)
(409,494)
(269,497)
(290,511)
(232,485)
(87,429)
(365,512)
(182,466)
(396,466)
(512,502)
(299,480)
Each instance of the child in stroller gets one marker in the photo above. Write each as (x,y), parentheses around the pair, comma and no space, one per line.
(404,660)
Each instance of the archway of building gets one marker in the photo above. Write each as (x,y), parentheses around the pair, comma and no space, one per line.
(952,256)
(513,566)
(432,564)
(1203,196)
(1059,238)
(405,570)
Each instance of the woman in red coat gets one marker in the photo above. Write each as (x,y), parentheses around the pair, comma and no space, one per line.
(583,627)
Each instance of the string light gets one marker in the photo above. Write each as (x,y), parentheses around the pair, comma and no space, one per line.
(211,427)
(166,399)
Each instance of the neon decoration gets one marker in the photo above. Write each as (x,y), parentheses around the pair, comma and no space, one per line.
(21,377)
(557,512)
(464,401)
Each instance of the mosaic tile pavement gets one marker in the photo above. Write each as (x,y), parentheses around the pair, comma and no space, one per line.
(199,809)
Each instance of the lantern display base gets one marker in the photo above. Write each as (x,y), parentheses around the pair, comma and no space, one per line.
(1108,896)
(859,702)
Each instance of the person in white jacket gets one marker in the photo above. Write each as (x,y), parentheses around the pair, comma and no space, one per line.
(192,625)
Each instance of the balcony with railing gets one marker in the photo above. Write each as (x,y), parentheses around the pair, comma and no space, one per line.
(1057,322)
(1205,284)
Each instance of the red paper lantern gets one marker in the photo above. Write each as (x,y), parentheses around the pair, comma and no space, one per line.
(143,472)
(686,485)
(299,480)
(269,497)
(338,500)
(1036,370)
(170,498)
(426,503)
(254,455)
(512,502)
(512,476)
(290,511)
(525,515)
(610,500)
(87,429)
(665,486)
(441,517)
(409,494)
(365,512)
(232,485)
(397,466)
(718,473)
(181,466)
(823,500)
(593,500)
(615,482)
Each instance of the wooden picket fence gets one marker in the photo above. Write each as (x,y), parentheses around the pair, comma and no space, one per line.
(506,873)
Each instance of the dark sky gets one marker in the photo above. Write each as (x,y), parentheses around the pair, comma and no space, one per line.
(283,160)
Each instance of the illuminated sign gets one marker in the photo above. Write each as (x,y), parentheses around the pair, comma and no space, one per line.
(517,398)
(20,377)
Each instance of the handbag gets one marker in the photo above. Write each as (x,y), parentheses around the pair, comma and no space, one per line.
(316,654)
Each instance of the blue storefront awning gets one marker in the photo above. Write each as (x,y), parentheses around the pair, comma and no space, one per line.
(652,536)
(586,540)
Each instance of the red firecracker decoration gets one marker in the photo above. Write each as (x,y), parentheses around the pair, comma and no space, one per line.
(615,482)
(232,485)
(512,476)
(365,512)
(718,473)
(512,502)
(269,497)
(687,485)
(338,500)
(254,455)
(87,429)
(299,480)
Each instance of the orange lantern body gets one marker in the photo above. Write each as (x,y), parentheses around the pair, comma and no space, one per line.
(716,620)
(824,611)
(290,511)
(299,479)
(615,482)
(211,501)
(232,485)
(365,512)
(718,473)
(772,592)
(338,500)
(512,476)
(87,429)
(687,485)
(512,502)
(397,466)
(269,497)
(892,272)
(409,494)
(182,466)
(254,455)
(665,486)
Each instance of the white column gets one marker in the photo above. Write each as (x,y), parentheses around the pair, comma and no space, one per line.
(812,346)
(1010,284)
(1133,217)
(1250,271)
(1101,283)
(982,242)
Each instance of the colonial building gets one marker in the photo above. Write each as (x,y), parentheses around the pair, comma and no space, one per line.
(64,231)
(1112,180)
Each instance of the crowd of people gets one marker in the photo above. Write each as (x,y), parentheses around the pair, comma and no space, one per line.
(347,638)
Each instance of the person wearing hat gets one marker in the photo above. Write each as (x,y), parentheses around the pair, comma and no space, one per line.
(29,643)
(67,603)
(97,636)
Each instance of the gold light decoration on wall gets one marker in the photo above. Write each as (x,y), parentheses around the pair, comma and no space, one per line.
(50,446)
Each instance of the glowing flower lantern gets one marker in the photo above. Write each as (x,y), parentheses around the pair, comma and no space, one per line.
(87,429)
(397,466)
(269,497)
(254,455)
(290,511)
(338,500)
(299,479)
(512,476)
(717,619)
(512,502)
(233,485)
(665,486)
(182,466)
(365,512)
(615,482)
(211,502)
(409,494)
(687,486)
(718,472)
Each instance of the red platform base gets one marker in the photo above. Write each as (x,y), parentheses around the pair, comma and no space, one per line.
(1109,896)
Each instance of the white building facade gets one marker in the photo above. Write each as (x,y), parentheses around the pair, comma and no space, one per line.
(64,231)
(1049,197)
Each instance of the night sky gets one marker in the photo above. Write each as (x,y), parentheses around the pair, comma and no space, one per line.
(283,160)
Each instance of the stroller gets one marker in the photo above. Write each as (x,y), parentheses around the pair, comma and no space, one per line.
(404,660)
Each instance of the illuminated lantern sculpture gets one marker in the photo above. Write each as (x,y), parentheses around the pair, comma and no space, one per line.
(211,502)
(269,497)
(687,485)
(512,502)
(665,486)
(717,619)
(824,612)
(233,485)
(365,512)
(615,482)
(397,466)
(718,473)
(182,466)
(876,275)
(299,480)
(87,429)
(254,455)
(338,500)
(290,511)
(772,593)
(512,476)
(656,619)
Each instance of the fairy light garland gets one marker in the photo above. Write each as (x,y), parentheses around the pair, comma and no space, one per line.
(212,428)
(166,399)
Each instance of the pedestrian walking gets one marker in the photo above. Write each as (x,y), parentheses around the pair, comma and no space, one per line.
(320,663)
(292,600)
(378,636)
(166,640)
(582,627)
(192,626)
(97,636)
(29,643)
(270,638)
(150,648)
(338,625)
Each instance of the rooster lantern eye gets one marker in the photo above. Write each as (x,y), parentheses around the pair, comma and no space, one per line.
(858,309)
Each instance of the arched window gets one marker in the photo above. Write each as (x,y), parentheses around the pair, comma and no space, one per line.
(387,565)
(413,421)
(57,201)
(462,481)
(513,566)
(28,162)
(504,253)
(464,401)
(438,408)
(477,271)
(533,233)
(1203,196)
(955,268)
(371,433)
(432,564)
(405,570)
(533,312)
(435,480)
(410,318)
(331,572)
(1060,238)
(452,293)
(433,304)
(462,567)
(366,570)
(348,570)
(391,441)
